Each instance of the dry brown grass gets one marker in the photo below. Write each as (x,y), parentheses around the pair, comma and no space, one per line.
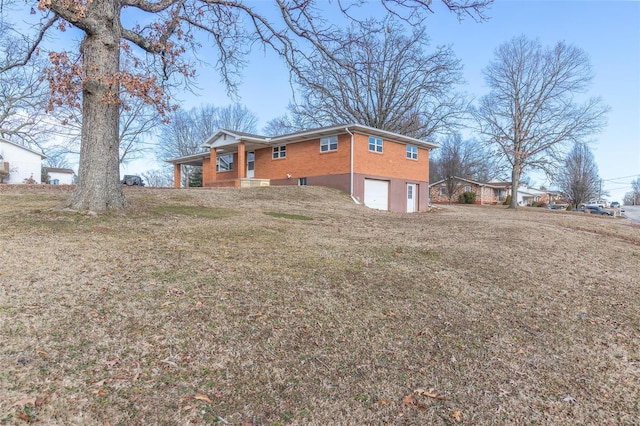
(197,307)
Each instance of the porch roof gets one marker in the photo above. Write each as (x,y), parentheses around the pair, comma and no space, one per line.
(190,160)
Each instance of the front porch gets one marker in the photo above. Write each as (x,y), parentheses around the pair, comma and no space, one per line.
(228,162)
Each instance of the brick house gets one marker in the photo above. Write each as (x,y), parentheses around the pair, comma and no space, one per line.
(486,192)
(383,170)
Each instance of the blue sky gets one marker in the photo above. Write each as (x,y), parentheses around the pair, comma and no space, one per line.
(609,31)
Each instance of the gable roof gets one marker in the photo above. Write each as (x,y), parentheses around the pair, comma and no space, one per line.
(23,147)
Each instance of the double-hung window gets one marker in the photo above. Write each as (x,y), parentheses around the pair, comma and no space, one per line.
(224,163)
(375,144)
(443,190)
(279,152)
(412,152)
(329,144)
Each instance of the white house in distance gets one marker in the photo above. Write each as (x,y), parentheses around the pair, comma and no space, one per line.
(20,162)
(58,176)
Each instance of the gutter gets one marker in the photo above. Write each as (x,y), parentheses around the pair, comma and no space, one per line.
(351,168)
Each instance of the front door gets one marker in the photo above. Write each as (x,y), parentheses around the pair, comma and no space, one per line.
(411,197)
(251,161)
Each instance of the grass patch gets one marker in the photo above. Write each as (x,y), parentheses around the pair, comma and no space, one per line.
(288,216)
(191,210)
(467,315)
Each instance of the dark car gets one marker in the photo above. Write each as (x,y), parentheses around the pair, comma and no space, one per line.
(615,204)
(132,180)
(597,210)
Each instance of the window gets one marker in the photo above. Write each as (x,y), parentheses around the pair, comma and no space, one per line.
(375,144)
(443,190)
(224,163)
(329,144)
(467,188)
(302,181)
(279,152)
(412,152)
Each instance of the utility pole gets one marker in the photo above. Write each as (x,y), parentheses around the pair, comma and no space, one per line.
(600,192)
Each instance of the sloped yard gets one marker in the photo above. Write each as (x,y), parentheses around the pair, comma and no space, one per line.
(294,306)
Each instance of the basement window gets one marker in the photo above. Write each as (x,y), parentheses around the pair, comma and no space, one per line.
(302,181)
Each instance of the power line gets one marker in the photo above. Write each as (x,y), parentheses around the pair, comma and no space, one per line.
(622,177)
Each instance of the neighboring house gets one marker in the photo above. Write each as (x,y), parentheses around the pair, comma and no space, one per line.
(486,192)
(527,196)
(20,162)
(383,170)
(58,176)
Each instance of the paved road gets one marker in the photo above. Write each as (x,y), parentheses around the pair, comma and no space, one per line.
(632,212)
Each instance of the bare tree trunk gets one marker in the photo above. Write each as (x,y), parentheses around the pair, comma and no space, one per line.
(515,183)
(98,188)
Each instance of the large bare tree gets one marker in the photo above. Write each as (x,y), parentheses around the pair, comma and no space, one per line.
(384,78)
(157,47)
(533,110)
(579,178)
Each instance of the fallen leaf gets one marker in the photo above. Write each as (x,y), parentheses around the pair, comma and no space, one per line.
(24,402)
(101,392)
(408,400)
(203,397)
(41,353)
(26,418)
(429,393)
(457,416)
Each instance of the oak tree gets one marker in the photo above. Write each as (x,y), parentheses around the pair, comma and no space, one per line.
(156,36)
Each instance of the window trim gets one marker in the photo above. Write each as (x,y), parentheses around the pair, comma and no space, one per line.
(327,142)
(443,190)
(467,188)
(278,152)
(412,152)
(373,142)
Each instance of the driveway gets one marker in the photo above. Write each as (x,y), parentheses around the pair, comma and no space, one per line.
(632,212)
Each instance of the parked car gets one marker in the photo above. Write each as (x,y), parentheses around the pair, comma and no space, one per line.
(596,210)
(615,204)
(132,180)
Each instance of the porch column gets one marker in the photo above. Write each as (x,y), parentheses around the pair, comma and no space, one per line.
(242,161)
(176,175)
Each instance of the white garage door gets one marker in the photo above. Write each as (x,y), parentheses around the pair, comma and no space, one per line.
(376,194)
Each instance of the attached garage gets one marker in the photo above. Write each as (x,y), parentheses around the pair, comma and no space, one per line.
(376,194)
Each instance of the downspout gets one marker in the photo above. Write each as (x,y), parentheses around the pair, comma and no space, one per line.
(351,169)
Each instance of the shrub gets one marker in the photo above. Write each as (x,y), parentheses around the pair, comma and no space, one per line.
(507,200)
(569,207)
(467,198)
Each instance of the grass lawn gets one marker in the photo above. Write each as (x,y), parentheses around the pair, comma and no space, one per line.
(292,305)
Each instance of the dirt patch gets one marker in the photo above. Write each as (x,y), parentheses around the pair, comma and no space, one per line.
(197,307)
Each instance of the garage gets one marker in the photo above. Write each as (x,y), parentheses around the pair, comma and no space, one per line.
(376,194)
